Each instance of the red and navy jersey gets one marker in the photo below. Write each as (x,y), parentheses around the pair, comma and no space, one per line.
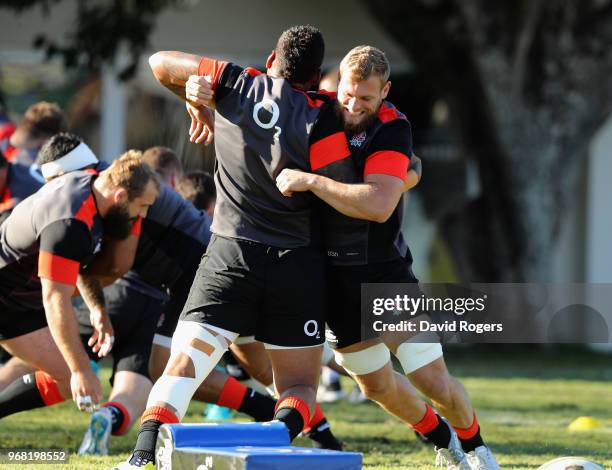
(262,125)
(21,183)
(384,148)
(49,235)
(173,238)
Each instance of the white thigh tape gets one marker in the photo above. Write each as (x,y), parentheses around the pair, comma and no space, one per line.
(245,340)
(413,356)
(366,361)
(163,341)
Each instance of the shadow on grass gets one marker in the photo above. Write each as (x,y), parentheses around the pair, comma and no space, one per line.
(539,449)
(544,362)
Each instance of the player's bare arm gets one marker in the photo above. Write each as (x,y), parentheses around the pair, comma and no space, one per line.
(91,291)
(172,70)
(64,329)
(374,200)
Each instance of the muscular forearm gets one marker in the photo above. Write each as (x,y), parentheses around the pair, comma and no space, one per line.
(361,201)
(64,329)
(91,292)
(172,69)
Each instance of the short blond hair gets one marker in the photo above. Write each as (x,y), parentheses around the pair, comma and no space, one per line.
(132,173)
(361,62)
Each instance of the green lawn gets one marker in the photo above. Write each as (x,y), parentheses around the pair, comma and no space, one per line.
(525,400)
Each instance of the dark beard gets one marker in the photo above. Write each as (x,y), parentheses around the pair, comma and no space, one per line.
(117,223)
(354,129)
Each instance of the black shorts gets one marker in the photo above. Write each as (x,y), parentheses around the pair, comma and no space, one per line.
(17,322)
(21,305)
(276,295)
(134,316)
(344,320)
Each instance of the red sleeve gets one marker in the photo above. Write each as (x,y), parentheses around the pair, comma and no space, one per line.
(57,268)
(387,162)
(63,245)
(212,68)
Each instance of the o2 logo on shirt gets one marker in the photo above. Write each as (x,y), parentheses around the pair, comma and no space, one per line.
(311,328)
(270,106)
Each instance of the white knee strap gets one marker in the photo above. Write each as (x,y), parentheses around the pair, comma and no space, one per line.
(163,341)
(366,361)
(328,354)
(413,356)
(177,391)
(245,340)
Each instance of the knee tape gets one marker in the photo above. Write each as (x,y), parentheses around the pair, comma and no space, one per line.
(163,341)
(245,340)
(205,351)
(364,362)
(413,356)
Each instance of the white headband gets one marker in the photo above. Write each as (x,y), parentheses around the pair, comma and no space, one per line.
(79,157)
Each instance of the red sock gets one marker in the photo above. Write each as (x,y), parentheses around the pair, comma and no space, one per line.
(317,417)
(121,417)
(47,386)
(297,404)
(468,433)
(428,423)
(159,413)
(232,394)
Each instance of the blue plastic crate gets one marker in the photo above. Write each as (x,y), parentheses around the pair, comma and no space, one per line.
(242,446)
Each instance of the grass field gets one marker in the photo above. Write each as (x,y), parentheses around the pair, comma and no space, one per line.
(525,399)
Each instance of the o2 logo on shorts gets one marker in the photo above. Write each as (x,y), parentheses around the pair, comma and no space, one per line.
(271,107)
(311,328)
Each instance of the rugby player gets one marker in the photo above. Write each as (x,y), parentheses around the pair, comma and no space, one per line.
(199,188)
(43,244)
(40,121)
(371,212)
(246,283)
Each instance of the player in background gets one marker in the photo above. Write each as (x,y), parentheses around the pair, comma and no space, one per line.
(199,188)
(16,183)
(40,121)
(39,269)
